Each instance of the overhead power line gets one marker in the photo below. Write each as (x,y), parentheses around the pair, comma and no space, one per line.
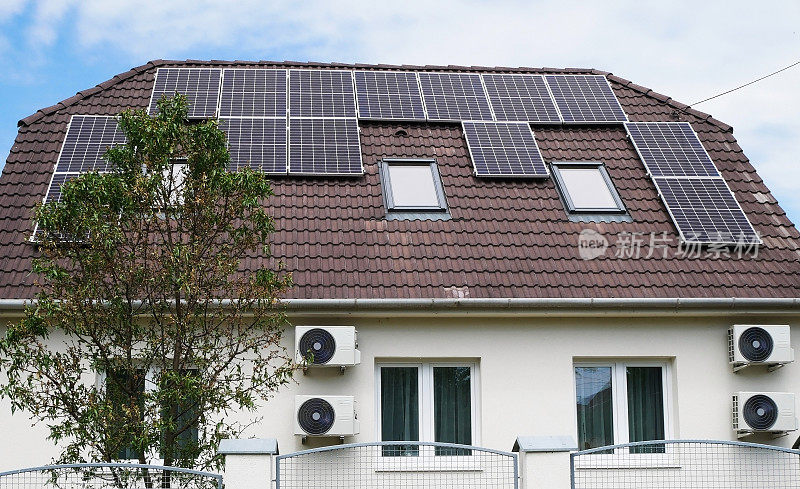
(748,83)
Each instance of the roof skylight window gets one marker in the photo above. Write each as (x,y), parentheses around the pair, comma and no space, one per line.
(412,186)
(587,188)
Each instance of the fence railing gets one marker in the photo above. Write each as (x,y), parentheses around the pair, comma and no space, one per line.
(109,476)
(398,464)
(686,463)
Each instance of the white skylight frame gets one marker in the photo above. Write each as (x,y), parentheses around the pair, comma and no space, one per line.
(388,193)
(572,208)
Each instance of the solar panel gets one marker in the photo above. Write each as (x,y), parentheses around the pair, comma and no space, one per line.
(59,179)
(454,97)
(321,93)
(88,137)
(504,149)
(519,97)
(671,149)
(256,143)
(585,98)
(200,85)
(705,211)
(253,93)
(324,146)
(388,95)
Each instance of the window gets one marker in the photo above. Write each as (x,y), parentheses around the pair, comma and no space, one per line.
(125,390)
(426,402)
(174,176)
(587,188)
(620,403)
(412,185)
(128,391)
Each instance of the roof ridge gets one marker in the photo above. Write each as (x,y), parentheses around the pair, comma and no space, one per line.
(167,62)
(83,94)
(665,99)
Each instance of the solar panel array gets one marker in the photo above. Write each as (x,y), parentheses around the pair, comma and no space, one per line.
(88,137)
(389,95)
(200,85)
(256,143)
(324,146)
(585,99)
(253,93)
(504,149)
(697,197)
(705,211)
(521,97)
(321,93)
(455,97)
(671,149)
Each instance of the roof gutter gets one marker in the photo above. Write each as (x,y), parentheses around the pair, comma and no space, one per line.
(619,307)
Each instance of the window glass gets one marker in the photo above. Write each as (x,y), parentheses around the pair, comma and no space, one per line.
(125,391)
(452,408)
(182,415)
(400,409)
(174,175)
(645,407)
(587,188)
(413,186)
(595,404)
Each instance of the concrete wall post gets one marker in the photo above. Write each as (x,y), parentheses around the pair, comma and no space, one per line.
(249,463)
(544,461)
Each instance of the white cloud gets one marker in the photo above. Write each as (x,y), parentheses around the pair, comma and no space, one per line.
(688,50)
(10,8)
(46,18)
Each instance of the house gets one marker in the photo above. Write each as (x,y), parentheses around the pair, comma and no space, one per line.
(518,251)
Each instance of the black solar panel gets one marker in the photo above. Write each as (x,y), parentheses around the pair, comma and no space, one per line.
(519,97)
(321,93)
(256,143)
(200,85)
(388,95)
(504,149)
(59,179)
(585,98)
(324,146)
(671,149)
(454,97)
(253,93)
(705,210)
(88,137)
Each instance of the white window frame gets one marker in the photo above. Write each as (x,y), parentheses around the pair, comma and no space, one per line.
(386,185)
(619,397)
(426,407)
(588,165)
(150,379)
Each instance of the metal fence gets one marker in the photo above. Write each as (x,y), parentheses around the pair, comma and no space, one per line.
(108,476)
(406,465)
(686,464)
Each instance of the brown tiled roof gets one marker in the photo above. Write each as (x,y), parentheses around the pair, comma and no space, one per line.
(506,238)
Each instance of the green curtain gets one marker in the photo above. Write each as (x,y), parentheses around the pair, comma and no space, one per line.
(400,409)
(125,391)
(452,408)
(186,443)
(595,407)
(645,407)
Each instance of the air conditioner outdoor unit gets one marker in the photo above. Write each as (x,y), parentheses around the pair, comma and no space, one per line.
(325,416)
(750,344)
(764,412)
(327,346)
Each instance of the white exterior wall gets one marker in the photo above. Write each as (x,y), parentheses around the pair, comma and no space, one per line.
(525,375)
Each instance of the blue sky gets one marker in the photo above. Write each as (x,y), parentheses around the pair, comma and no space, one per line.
(50,49)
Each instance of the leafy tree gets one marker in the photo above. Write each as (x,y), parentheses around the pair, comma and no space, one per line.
(158,314)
